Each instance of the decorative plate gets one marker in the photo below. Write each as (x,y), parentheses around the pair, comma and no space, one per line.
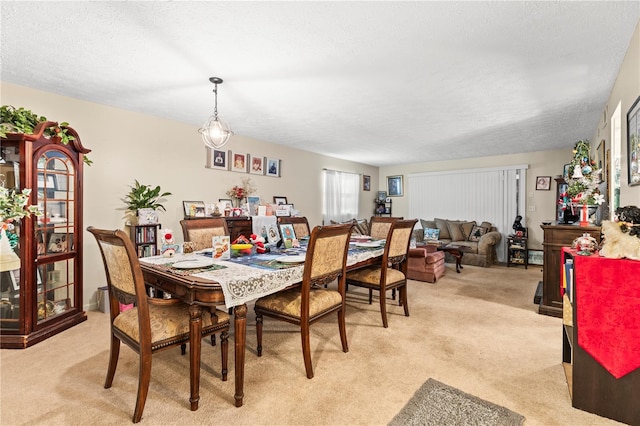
(370,244)
(192,264)
(291,259)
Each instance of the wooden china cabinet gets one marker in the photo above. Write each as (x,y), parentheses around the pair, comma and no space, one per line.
(44,295)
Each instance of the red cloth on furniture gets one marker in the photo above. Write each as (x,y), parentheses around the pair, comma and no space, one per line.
(607,299)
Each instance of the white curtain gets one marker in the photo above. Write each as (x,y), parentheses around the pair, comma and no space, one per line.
(341,196)
(493,195)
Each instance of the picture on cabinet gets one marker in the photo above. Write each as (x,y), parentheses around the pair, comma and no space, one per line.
(60,242)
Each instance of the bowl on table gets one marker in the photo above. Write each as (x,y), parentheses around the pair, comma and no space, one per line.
(241,249)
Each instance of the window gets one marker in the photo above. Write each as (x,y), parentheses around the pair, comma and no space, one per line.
(341,196)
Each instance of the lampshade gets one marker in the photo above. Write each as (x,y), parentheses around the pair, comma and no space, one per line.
(215,132)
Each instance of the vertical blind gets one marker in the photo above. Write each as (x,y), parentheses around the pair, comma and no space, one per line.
(493,195)
(341,196)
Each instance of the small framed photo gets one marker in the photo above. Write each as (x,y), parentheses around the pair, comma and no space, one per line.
(15,279)
(287,231)
(394,186)
(272,234)
(382,195)
(253,203)
(272,167)
(238,162)
(366,183)
(633,141)
(217,159)
(566,171)
(60,242)
(193,209)
(256,166)
(279,200)
(283,210)
(543,183)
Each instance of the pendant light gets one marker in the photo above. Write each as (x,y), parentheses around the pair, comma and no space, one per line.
(215,132)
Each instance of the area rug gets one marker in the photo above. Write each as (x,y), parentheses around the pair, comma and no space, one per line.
(438,404)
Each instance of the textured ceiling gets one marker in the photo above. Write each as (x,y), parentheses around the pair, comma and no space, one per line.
(376,82)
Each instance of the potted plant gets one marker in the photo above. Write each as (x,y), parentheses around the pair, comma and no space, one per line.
(21,120)
(142,202)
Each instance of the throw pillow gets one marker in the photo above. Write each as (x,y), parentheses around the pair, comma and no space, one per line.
(362,227)
(487,225)
(431,234)
(441,224)
(476,233)
(431,224)
(466,228)
(455,230)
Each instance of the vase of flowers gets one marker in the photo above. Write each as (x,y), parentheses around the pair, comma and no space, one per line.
(13,207)
(240,192)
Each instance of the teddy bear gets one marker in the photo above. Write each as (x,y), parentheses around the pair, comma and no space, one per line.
(168,248)
(618,244)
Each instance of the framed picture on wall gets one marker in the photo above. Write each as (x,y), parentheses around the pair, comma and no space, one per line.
(543,183)
(256,165)
(273,167)
(217,159)
(394,186)
(633,143)
(238,161)
(366,183)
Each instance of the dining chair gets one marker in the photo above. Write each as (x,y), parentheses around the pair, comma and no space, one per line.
(379,227)
(391,273)
(152,324)
(300,225)
(201,231)
(303,305)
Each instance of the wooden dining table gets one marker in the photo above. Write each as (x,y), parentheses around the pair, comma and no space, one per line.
(231,284)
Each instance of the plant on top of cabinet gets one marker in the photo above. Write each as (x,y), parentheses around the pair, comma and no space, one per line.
(21,120)
(144,197)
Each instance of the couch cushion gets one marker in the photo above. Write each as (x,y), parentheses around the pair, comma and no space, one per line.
(455,230)
(487,225)
(477,232)
(441,224)
(466,228)
(428,224)
(431,234)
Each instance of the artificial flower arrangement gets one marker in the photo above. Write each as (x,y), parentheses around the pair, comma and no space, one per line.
(13,206)
(238,193)
(584,179)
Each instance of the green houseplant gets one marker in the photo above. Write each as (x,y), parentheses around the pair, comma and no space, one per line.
(142,197)
(21,120)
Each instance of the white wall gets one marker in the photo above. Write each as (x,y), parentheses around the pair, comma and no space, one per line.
(126,146)
(542,163)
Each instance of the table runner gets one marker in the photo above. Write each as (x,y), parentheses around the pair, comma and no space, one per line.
(242,283)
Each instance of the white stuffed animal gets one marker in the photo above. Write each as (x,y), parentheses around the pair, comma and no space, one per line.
(168,249)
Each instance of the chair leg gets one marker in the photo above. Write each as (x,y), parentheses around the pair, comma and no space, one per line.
(393,294)
(224,349)
(370,296)
(183,348)
(259,332)
(383,309)
(306,350)
(403,297)
(213,340)
(143,385)
(114,353)
(343,330)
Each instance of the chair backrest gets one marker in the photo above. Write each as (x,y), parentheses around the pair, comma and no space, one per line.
(124,276)
(201,231)
(300,225)
(326,255)
(379,227)
(397,246)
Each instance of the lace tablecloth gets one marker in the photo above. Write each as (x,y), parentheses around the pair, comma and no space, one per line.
(242,283)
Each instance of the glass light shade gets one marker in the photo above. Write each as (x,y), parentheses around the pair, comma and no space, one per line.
(215,132)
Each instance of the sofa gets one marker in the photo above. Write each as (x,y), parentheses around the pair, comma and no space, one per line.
(481,238)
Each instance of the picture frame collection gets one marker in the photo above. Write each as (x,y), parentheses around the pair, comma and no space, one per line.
(241,162)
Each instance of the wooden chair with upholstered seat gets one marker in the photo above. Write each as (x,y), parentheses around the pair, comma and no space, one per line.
(152,324)
(391,273)
(201,231)
(379,227)
(303,305)
(300,225)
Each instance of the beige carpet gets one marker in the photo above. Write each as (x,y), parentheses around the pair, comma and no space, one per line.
(477,331)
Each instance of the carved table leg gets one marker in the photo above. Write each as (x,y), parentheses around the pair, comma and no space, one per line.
(240,331)
(195,328)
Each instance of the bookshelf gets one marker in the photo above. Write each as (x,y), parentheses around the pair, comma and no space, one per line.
(145,239)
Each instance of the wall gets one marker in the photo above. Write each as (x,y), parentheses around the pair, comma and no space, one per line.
(126,146)
(540,205)
(625,92)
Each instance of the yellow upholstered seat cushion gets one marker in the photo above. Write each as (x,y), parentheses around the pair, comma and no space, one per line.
(288,302)
(167,322)
(372,275)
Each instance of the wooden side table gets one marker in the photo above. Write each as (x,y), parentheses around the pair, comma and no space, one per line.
(517,251)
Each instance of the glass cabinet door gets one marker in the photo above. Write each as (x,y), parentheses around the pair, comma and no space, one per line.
(54,235)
